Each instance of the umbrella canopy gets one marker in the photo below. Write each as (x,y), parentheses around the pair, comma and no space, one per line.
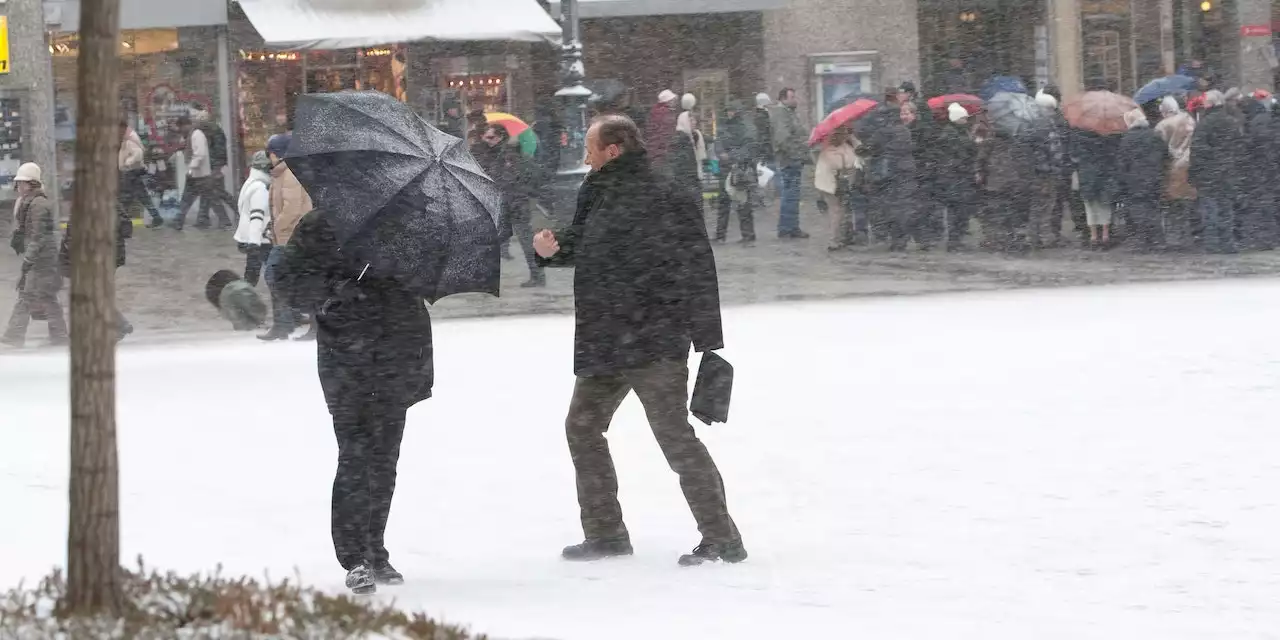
(1160,87)
(939,104)
(1013,113)
(1101,112)
(1001,84)
(516,128)
(401,196)
(840,117)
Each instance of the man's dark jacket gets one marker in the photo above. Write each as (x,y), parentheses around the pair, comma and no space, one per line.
(645,278)
(374,334)
(1215,153)
(1140,164)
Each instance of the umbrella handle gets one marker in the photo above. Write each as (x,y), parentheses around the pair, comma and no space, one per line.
(362,272)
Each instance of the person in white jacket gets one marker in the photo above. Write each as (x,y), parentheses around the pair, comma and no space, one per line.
(200,179)
(253,234)
(133,191)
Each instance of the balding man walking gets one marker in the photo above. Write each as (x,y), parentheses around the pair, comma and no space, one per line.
(645,289)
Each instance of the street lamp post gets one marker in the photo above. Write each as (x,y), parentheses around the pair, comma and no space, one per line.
(573,101)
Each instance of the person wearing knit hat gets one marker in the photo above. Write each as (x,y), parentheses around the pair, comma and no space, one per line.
(289,202)
(957,113)
(253,231)
(660,127)
(35,239)
(954,159)
(764,131)
(763,100)
(1045,100)
(1176,128)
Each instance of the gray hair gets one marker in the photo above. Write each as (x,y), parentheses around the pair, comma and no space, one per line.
(1214,98)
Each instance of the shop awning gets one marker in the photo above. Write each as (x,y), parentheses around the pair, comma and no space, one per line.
(628,8)
(341,24)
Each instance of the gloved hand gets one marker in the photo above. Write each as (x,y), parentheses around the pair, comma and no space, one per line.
(18,242)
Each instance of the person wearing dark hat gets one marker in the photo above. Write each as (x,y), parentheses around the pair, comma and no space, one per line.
(289,202)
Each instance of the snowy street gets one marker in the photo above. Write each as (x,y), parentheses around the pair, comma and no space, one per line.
(1078,463)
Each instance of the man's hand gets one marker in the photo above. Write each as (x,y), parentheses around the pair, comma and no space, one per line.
(544,243)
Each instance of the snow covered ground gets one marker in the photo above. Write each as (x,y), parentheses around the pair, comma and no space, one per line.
(1089,463)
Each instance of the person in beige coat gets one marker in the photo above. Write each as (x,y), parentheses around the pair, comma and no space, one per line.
(1177,127)
(35,238)
(132,166)
(289,202)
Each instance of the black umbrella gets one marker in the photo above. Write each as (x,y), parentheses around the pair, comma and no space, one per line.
(402,197)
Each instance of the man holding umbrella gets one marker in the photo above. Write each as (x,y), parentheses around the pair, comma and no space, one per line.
(645,289)
(402,214)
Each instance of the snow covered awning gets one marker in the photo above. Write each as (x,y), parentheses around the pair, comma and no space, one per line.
(342,24)
(628,8)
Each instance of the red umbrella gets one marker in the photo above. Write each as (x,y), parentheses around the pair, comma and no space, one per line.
(972,104)
(840,117)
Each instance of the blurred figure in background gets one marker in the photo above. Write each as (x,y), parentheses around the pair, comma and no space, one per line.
(35,238)
(513,175)
(1176,128)
(133,190)
(1141,160)
(289,202)
(736,149)
(252,234)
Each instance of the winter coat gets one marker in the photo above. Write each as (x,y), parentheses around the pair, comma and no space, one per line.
(834,161)
(131,155)
(1140,165)
(790,139)
(888,150)
(1215,153)
(764,135)
(954,162)
(1095,157)
(1006,164)
(1177,131)
(198,165)
(736,140)
(681,165)
(39,233)
(254,206)
(289,202)
(660,131)
(124,231)
(645,282)
(1259,154)
(374,336)
(512,172)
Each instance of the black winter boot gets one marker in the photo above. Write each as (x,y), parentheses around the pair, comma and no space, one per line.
(360,580)
(384,573)
(731,552)
(597,549)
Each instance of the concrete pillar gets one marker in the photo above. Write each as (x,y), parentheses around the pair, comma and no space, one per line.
(30,79)
(1066,44)
(1252,27)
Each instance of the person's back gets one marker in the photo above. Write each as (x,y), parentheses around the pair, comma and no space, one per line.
(1141,161)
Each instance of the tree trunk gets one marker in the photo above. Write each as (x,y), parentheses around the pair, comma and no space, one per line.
(93,542)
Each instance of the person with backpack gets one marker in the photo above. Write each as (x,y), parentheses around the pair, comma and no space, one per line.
(200,177)
(218,161)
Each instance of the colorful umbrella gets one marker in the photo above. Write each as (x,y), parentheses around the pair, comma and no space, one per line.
(1101,112)
(516,128)
(840,117)
(971,103)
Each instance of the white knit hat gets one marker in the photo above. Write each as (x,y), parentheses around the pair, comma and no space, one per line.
(667,95)
(1045,100)
(763,100)
(688,101)
(957,113)
(29,172)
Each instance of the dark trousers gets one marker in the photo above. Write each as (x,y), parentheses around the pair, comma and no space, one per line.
(1044,216)
(255,256)
(522,229)
(45,304)
(746,218)
(1068,199)
(283,315)
(1217,215)
(1180,225)
(663,390)
(369,437)
(134,192)
(1145,222)
(959,213)
(208,190)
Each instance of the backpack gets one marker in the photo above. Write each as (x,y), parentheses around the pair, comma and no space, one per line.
(217,144)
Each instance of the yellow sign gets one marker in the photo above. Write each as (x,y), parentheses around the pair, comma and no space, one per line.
(4,44)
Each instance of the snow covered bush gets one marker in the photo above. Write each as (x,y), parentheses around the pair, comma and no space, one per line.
(166,606)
